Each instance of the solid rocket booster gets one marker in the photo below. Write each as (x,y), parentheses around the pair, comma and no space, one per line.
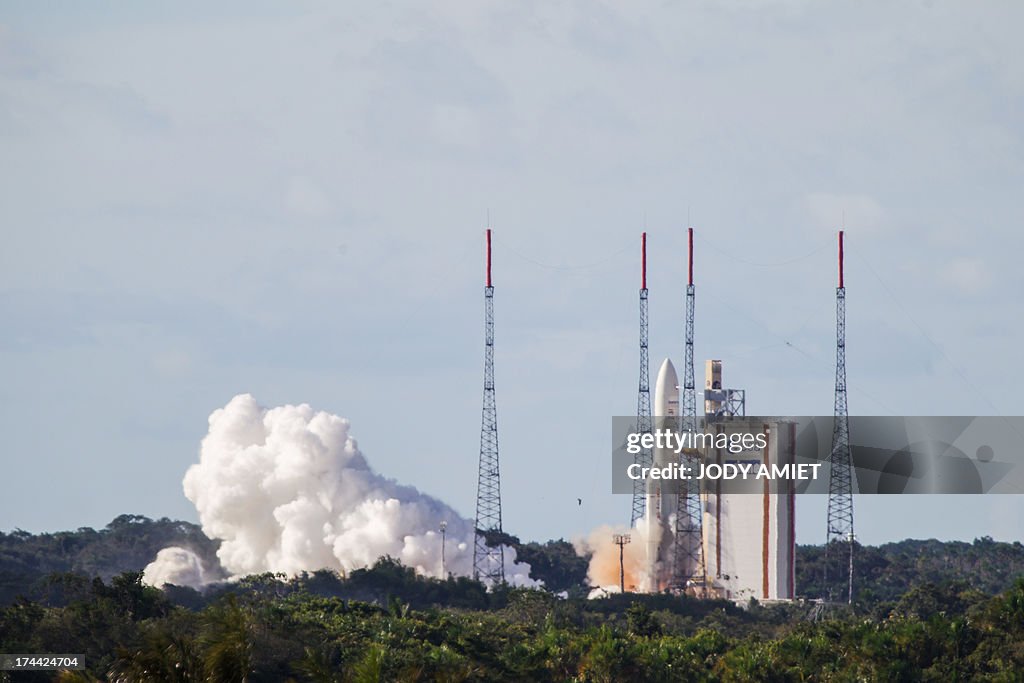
(660,505)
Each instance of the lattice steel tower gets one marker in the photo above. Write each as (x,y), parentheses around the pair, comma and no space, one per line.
(488,557)
(840,482)
(643,402)
(688,551)
(689,407)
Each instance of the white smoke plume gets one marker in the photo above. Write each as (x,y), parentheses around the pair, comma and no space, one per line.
(177,566)
(287,490)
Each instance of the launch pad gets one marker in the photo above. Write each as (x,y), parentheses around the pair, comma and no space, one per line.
(701,539)
(747,543)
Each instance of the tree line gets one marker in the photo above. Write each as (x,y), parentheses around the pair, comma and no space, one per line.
(407,628)
(925,610)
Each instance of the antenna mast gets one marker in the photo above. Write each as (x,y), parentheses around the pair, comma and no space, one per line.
(840,482)
(488,553)
(688,556)
(643,401)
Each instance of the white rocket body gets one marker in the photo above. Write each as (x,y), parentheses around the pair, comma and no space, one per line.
(660,505)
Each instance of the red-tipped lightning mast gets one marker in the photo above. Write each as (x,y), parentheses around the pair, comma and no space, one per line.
(689,411)
(643,260)
(690,240)
(688,550)
(489,257)
(643,401)
(488,558)
(840,259)
(839,528)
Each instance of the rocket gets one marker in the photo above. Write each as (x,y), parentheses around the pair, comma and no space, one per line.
(661,505)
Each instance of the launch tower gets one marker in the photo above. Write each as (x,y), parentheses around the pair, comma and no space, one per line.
(840,482)
(688,552)
(643,402)
(488,552)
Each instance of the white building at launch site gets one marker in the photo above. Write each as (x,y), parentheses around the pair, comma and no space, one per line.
(749,534)
(748,528)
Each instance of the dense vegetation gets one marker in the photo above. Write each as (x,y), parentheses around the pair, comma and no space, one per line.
(269,629)
(886,572)
(927,611)
(130,542)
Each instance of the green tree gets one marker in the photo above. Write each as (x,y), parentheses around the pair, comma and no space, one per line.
(163,655)
(370,669)
(641,621)
(227,642)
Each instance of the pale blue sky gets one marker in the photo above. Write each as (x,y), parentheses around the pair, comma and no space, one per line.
(288,200)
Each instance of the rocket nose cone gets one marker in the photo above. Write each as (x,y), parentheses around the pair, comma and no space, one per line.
(667,376)
(666,391)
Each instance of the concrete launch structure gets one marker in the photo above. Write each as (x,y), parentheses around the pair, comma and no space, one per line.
(749,543)
(749,534)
